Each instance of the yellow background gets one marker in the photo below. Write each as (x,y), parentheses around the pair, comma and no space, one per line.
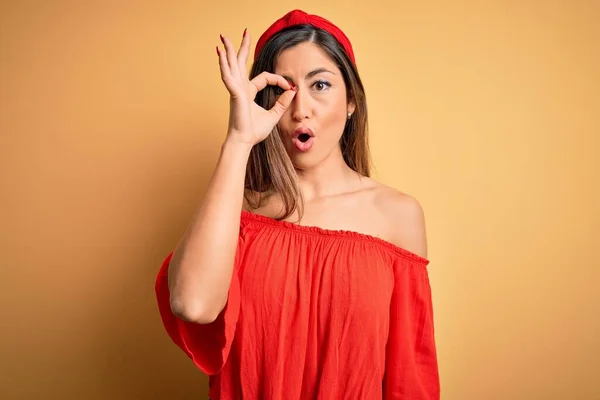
(111,118)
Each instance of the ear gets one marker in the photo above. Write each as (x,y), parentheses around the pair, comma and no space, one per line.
(351,107)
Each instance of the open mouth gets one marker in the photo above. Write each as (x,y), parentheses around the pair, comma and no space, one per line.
(303,137)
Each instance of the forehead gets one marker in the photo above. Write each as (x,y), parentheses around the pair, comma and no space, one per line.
(303,58)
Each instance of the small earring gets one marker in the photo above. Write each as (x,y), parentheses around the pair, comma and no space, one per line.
(349,115)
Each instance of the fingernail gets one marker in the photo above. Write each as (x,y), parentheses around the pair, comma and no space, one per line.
(222,40)
(218,51)
(244,34)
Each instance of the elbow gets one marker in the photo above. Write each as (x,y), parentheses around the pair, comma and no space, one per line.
(195,312)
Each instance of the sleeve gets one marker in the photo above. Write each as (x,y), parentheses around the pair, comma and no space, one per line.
(411,369)
(208,345)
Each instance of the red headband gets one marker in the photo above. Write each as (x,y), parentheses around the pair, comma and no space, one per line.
(299,17)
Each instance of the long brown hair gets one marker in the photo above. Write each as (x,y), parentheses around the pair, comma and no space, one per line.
(269,168)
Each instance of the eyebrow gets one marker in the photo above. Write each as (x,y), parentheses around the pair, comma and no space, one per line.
(312,73)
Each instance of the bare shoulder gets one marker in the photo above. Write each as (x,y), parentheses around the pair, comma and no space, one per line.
(406,219)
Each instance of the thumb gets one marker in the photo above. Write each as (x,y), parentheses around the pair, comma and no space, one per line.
(282,104)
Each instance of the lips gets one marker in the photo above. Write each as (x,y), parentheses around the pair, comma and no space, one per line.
(303,139)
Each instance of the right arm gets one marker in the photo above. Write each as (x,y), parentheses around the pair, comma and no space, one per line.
(201,267)
(202,263)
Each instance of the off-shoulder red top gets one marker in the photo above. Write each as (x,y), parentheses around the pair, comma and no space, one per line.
(315,314)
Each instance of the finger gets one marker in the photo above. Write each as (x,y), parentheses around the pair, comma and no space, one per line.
(231,57)
(264,79)
(224,67)
(282,104)
(243,54)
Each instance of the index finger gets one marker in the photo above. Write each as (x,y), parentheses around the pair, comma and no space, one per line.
(266,78)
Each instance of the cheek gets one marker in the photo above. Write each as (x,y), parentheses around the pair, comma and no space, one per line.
(335,116)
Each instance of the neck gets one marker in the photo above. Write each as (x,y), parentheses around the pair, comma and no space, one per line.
(330,177)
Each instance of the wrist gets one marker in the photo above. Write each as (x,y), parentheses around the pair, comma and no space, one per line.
(238,147)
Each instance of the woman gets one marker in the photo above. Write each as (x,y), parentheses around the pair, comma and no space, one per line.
(300,277)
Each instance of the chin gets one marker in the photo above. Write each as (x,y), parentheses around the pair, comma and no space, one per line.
(310,159)
(303,164)
(303,161)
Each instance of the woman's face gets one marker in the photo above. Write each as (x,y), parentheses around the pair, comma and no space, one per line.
(312,126)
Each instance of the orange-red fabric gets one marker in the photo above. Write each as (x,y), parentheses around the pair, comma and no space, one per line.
(299,17)
(315,314)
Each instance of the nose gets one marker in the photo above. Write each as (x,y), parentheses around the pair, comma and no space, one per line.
(300,106)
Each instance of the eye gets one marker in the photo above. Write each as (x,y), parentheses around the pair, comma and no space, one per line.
(277,90)
(322,85)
